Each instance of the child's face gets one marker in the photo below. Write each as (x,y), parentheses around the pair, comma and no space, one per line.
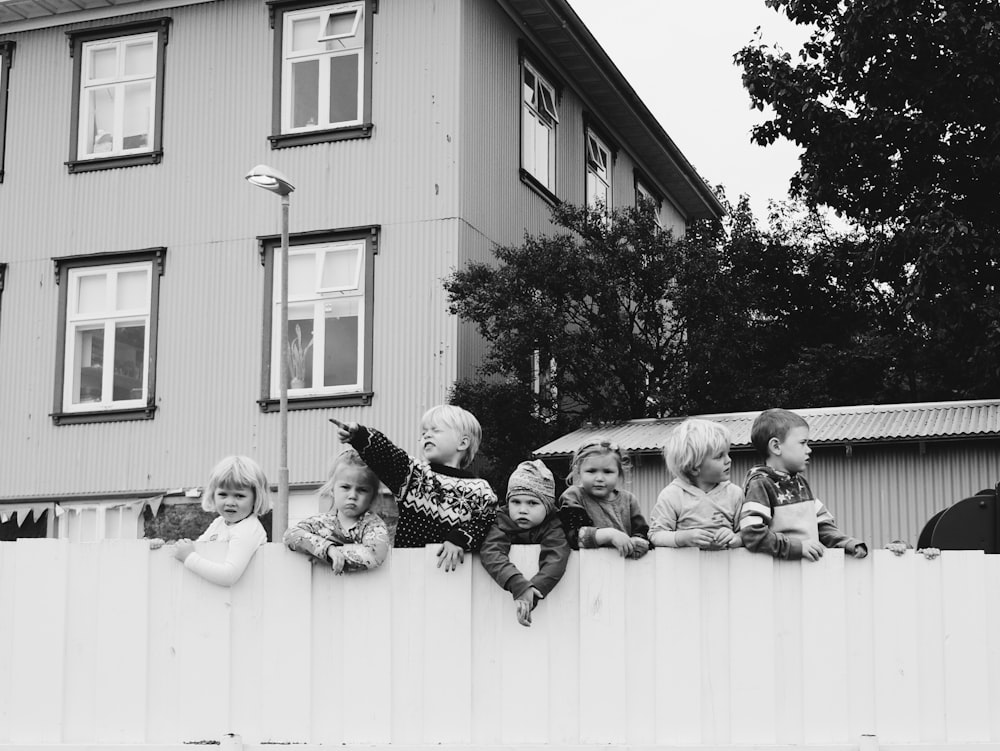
(443,445)
(791,454)
(234,504)
(598,475)
(714,469)
(526,511)
(353,492)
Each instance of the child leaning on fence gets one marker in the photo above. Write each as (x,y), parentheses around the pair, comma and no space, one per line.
(530,519)
(350,536)
(237,492)
(780,515)
(700,507)
(595,512)
(440,501)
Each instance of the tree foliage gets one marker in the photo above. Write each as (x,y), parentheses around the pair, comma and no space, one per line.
(896,106)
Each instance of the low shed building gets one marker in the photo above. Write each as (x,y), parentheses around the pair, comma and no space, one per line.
(883,470)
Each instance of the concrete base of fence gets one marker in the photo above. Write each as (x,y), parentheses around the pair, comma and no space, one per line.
(111,645)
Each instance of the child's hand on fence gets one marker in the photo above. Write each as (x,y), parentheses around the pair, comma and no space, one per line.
(860,550)
(812,550)
(155,543)
(897,547)
(525,604)
(337,559)
(695,538)
(450,555)
(621,542)
(345,430)
(183,549)
(640,546)
(736,541)
(723,537)
(930,553)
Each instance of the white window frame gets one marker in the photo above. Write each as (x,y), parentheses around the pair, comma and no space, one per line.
(338,49)
(539,114)
(320,297)
(118,83)
(642,191)
(108,320)
(599,166)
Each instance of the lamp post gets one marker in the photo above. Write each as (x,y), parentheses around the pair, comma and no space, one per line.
(271,179)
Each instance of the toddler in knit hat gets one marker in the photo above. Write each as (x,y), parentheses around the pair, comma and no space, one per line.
(529,519)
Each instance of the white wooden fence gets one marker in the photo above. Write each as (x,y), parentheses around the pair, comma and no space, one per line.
(109,643)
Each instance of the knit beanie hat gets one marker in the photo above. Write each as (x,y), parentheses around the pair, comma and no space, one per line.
(534,479)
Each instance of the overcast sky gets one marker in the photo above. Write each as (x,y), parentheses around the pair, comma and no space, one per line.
(678,56)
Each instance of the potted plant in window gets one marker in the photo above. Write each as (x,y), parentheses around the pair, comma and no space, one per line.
(297,359)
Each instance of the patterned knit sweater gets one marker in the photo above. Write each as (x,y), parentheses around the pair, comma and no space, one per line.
(780,512)
(436,503)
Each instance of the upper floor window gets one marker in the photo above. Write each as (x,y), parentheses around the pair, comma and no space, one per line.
(644,196)
(598,172)
(323,68)
(330,278)
(6,60)
(118,95)
(538,127)
(107,336)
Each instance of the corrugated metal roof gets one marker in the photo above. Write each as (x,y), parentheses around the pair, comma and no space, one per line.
(23,10)
(891,423)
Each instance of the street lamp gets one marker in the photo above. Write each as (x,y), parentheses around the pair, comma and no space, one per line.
(271,179)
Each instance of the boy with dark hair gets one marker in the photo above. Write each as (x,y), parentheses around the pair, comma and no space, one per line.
(780,515)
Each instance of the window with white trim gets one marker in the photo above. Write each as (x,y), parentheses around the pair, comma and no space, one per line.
(6,60)
(538,127)
(645,197)
(118,97)
(108,305)
(329,319)
(324,62)
(598,172)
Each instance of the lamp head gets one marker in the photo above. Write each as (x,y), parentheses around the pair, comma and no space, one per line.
(270,179)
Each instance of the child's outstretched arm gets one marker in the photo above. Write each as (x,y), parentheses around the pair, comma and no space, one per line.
(831,536)
(552,560)
(495,557)
(239,551)
(392,465)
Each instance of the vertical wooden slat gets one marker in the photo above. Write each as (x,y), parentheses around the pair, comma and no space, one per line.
(248,643)
(331,638)
(8,578)
(123,610)
(896,668)
(824,643)
(715,648)
(561,611)
(752,655)
(860,649)
(930,632)
(603,712)
(39,644)
(409,655)
(992,656)
(448,651)
(966,677)
(83,619)
(367,656)
(491,605)
(640,634)
(164,686)
(788,643)
(678,646)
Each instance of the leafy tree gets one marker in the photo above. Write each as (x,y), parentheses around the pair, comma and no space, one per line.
(896,106)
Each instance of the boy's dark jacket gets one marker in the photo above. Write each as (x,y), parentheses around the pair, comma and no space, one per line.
(552,559)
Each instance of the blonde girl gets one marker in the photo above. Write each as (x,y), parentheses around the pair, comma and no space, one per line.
(349,536)
(237,492)
(700,507)
(594,510)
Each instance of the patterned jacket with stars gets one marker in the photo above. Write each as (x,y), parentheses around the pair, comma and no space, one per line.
(436,503)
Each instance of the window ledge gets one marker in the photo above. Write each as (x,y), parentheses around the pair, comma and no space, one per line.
(362,399)
(286,140)
(106,415)
(114,162)
(532,182)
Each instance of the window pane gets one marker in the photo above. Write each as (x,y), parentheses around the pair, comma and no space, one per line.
(305,34)
(132,290)
(91,294)
(342,329)
(140,59)
(305,93)
(130,355)
(528,89)
(301,275)
(101,128)
(300,346)
(138,108)
(88,370)
(340,24)
(103,63)
(344,88)
(340,269)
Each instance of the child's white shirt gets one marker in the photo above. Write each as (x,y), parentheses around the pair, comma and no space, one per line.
(682,505)
(244,538)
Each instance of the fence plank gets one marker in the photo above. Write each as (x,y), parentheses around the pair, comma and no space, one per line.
(860,650)
(678,647)
(248,643)
(603,710)
(753,655)
(491,605)
(930,631)
(789,668)
(332,635)
(39,645)
(896,668)
(824,643)
(8,564)
(163,691)
(715,651)
(82,618)
(992,584)
(640,634)
(561,613)
(408,654)
(966,678)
